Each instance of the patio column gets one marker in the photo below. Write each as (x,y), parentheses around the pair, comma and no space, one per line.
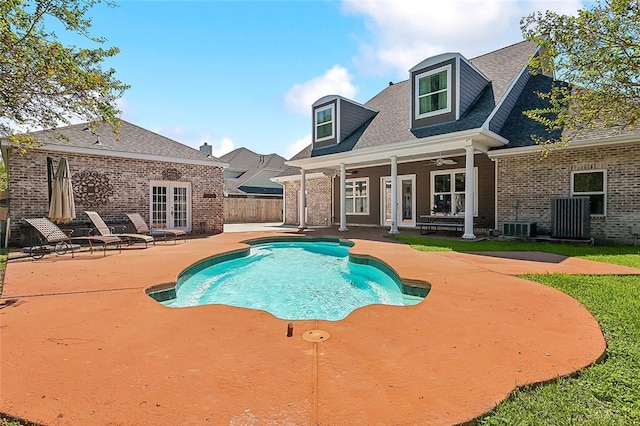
(469,196)
(302,203)
(343,196)
(394,195)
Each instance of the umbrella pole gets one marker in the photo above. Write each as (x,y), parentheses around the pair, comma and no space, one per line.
(49,176)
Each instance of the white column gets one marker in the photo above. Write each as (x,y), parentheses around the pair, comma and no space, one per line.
(394,195)
(469,196)
(343,196)
(303,199)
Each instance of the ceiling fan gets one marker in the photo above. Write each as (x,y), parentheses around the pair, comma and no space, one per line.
(443,161)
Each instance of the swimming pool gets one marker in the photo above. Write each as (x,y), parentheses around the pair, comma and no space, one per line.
(293,280)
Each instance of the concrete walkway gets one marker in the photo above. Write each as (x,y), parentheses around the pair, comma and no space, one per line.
(81,342)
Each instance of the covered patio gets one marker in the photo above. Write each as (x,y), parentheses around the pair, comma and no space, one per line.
(436,149)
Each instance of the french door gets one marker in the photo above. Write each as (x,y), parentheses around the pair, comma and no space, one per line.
(406,197)
(170,205)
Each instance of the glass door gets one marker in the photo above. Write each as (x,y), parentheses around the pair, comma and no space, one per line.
(170,205)
(406,197)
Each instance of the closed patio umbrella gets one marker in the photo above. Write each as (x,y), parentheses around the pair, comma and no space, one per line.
(63,207)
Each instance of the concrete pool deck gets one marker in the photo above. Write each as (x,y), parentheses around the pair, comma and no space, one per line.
(81,342)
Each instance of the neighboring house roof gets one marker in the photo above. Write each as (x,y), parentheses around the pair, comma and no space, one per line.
(255,171)
(131,142)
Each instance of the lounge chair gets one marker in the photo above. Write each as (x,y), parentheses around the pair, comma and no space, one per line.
(142,228)
(52,238)
(106,231)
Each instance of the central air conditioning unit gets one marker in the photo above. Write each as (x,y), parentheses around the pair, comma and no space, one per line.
(519,229)
(570,218)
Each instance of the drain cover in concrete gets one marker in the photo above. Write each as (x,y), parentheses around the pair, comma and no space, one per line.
(315,335)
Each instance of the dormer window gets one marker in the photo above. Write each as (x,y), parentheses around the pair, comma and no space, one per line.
(325,123)
(433,95)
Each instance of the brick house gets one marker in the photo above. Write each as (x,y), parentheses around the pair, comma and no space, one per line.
(170,184)
(451,142)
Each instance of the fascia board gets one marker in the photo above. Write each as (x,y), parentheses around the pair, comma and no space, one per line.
(407,148)
(129,155)
(521,150)
(293,178)
(506,93)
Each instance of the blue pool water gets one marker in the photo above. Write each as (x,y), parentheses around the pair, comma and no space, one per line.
(293,280)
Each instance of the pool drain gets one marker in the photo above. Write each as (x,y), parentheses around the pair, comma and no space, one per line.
(315,336)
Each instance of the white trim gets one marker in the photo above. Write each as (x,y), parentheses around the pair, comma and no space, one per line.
(443,57)
(323,100)
(416,95)
(131,155)
(453,172)
(586,194)
(337,127)
(507,92)
(523,150)
(333,123)
(294,178)
(380,155)
(457,85)
(353,197)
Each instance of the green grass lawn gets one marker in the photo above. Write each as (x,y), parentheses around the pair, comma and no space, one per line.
(604,394)
(619,255)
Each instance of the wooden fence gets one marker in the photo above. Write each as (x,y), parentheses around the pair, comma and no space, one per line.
(252,210)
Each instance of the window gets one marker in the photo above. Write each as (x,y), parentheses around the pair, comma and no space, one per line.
(593,185)
(433,94)
(324,123)
(357,196)
(447,192)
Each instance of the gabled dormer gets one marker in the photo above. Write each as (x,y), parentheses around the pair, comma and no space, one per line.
(442,89)
(335,118)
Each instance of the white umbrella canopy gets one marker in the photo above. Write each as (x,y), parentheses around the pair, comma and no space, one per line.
(63,207)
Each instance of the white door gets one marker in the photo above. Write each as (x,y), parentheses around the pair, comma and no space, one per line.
(170,205)
(406,196)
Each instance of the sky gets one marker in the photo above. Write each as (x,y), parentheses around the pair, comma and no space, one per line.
(245,73)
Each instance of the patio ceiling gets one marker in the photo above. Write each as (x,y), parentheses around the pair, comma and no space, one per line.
(424,149)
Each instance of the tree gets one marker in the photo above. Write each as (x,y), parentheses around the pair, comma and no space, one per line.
(44,83)
(597,55)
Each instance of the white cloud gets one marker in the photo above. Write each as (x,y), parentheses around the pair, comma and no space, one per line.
(297,146)
(222,146)
(335,81)
(401,33)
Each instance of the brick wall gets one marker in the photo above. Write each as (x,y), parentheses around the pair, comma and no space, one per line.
(129,179)
(318,201)
(533,181)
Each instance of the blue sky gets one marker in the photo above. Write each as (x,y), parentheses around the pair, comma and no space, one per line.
(244,73)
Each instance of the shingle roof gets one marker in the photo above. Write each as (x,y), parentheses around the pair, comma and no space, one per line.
(246,161)
(391,124)
(503,65)
(520,130)
(131,139)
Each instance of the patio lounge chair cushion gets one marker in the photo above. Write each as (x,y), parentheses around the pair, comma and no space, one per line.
(105,231)
(142,227)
